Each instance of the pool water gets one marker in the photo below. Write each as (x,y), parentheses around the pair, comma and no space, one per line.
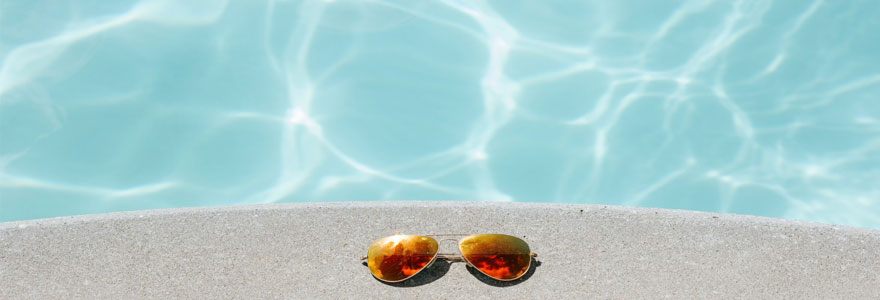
(764,108)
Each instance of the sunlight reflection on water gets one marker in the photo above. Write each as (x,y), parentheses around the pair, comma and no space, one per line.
(766,108)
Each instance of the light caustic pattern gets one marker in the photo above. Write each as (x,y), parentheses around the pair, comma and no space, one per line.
(754,107)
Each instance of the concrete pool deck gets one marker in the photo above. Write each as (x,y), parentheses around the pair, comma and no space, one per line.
(312,250)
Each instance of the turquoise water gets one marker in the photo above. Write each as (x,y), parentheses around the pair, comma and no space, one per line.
(752,107)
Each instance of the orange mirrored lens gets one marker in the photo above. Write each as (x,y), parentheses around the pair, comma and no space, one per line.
(399,257)
(499,256)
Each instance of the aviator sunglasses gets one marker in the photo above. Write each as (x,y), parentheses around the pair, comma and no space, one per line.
(399,257)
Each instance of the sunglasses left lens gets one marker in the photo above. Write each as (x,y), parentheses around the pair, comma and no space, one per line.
(398,257)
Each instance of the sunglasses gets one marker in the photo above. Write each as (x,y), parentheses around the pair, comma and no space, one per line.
(400,257)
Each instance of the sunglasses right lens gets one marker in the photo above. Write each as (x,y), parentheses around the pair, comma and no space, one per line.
(398,257)
(499,256)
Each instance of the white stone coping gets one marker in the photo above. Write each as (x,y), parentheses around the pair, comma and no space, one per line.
(311,250)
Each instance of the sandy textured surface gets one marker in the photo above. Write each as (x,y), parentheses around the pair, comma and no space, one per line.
(299,251)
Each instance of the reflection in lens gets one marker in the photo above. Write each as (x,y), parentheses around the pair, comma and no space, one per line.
(499,256)
(399,257)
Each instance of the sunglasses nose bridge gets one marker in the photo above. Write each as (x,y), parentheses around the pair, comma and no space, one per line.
(449,248)
(448,240)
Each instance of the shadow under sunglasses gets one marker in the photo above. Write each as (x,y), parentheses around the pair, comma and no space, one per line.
(440,267)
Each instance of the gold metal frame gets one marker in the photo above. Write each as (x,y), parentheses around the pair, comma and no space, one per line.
(452,257)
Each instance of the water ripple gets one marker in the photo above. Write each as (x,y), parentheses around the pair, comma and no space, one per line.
(764,108)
